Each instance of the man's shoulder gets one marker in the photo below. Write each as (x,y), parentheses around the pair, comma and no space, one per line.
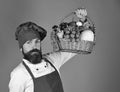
(58,54)
(52,53)
(19,70)
(18,76)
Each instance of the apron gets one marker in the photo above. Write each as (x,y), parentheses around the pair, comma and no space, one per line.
(47,83)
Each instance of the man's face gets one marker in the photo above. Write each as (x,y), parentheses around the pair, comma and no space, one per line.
(31,50)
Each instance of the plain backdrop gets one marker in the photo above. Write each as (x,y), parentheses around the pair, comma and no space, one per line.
(97,72)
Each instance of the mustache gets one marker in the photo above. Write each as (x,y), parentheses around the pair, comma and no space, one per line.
(34,56)
(34,50)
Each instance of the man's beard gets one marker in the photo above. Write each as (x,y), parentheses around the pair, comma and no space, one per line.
(34,56)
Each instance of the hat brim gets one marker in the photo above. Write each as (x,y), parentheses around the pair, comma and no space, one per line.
(42,32)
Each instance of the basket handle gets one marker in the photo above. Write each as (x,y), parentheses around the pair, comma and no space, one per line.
(68,15)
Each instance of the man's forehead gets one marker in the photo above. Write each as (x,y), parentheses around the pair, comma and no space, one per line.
(38,39)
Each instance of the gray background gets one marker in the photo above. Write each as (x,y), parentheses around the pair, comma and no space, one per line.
(97,72)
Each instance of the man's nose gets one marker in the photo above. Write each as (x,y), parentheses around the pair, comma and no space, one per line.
(34,45)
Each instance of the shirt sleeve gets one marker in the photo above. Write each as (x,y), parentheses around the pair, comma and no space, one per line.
(59,58)
(17,81)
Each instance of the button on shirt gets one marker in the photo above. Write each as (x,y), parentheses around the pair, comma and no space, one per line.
(21,81)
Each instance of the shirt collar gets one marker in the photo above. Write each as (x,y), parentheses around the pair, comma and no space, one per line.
(35,66)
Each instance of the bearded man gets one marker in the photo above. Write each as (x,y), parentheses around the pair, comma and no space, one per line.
(37,72)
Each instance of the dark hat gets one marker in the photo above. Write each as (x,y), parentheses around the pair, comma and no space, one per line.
(28,31)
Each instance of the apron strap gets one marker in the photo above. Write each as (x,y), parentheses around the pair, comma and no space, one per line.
(50,63)
(28,70)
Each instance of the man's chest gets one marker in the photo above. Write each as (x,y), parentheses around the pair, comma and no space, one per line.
(46,75)
(42,70)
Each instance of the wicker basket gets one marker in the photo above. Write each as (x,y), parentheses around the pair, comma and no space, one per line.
(80,47)
(71,31)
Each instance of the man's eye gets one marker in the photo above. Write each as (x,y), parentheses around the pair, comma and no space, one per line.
(37,41)
(28,42)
